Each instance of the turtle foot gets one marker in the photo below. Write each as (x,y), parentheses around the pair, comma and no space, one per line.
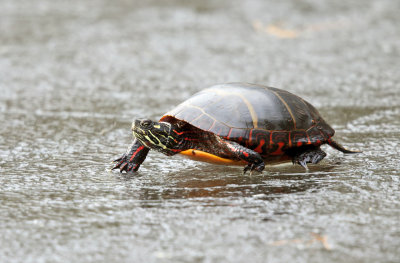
(311,156)
(132,159)
(254,167)
(123,164)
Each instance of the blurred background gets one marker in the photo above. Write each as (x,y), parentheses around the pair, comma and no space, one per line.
(74,74)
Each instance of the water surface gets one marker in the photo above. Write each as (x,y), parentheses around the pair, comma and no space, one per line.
(73,76)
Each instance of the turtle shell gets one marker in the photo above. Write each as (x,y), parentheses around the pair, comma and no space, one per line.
(240,111)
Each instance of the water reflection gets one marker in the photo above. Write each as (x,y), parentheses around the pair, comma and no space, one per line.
(209,183)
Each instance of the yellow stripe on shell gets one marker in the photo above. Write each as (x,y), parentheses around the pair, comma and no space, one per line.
(250,107)
(287,107)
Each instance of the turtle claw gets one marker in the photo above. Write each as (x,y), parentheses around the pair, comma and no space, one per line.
(123,164)
(123,167)
(118,160)
(119,164)
(246,168)
(132,159)
(254,167)
(312,156)
(303,163)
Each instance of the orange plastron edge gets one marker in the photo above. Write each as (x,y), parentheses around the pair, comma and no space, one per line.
(209,158)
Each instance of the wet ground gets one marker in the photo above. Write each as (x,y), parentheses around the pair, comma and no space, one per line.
(74,74)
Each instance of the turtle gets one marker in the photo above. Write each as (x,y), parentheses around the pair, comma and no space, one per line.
(235,124)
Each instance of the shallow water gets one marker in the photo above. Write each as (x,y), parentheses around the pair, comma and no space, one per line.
(73,76)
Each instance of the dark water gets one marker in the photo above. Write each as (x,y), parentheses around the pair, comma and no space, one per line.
(74,74)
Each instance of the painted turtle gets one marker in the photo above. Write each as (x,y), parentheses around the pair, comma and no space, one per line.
(236,123)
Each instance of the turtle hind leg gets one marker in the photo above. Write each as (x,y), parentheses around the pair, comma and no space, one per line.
(313,156)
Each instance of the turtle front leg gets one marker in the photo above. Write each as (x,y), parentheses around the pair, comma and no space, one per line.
(254,159)
(132,159)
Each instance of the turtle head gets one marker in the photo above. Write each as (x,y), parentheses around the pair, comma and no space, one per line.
(156,135)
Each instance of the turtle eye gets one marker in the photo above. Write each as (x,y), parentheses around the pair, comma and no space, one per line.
(145,123)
